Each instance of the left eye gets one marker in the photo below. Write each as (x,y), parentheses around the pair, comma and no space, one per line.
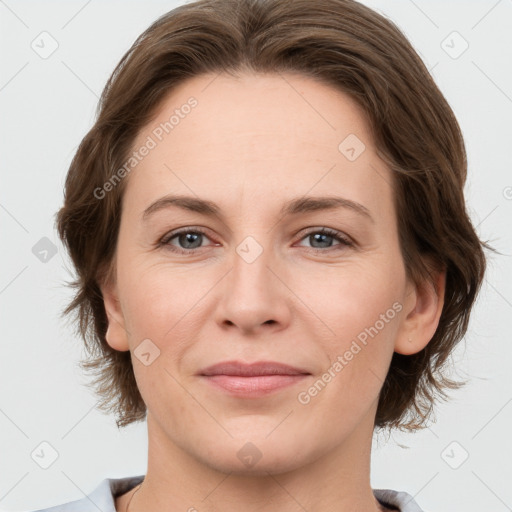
(325,236)
(192,239)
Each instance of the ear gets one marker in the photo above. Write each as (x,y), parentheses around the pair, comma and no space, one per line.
(116,334)
(423,307)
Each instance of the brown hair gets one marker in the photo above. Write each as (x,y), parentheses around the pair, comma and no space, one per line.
(343,44)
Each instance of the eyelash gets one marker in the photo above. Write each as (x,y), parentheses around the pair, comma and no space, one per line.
(338,236)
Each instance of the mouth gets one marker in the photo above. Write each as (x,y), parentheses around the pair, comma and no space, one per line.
(252,380)
(259,368)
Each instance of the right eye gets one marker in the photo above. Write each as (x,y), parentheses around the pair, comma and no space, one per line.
(190,240)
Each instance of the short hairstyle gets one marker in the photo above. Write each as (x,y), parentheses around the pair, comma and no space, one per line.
(340,43)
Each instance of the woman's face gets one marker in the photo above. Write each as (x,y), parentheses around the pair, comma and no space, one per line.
(255,279)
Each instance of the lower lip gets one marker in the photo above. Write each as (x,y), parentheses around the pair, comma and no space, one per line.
(256,386)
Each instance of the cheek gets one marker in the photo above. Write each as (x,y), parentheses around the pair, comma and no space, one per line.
(351,298)
(363,313)
(159,302)
(358,309)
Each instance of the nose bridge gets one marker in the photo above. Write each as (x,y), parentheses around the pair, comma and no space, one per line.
(253,296)
(251,277)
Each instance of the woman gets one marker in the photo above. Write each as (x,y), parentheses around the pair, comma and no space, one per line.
(273,254)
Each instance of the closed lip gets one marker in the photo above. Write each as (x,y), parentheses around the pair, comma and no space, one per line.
(239,368)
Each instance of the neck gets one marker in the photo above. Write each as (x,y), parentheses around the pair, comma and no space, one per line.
(335,481)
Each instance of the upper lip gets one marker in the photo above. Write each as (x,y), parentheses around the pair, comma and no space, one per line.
(252,369)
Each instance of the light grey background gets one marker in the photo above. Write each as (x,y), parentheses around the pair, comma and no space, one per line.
(47,105)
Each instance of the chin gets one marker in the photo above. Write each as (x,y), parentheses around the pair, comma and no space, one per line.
(255,456)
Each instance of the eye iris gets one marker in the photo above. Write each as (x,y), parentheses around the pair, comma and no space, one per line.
(185,238)
(320,237)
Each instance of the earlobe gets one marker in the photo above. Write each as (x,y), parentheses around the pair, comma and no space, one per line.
(423,309)
(116,335)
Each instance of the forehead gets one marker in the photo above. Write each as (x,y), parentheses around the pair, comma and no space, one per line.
(275,132)
(257,105)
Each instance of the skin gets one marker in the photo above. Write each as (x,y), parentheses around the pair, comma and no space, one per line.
(251,144)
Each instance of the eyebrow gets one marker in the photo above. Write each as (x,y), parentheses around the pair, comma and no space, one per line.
(292,207)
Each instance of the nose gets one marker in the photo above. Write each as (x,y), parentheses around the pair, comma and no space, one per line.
(255,298)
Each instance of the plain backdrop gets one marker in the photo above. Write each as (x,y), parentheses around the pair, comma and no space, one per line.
(462,462)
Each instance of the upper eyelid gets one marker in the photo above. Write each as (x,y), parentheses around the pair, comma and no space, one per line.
(171,234)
